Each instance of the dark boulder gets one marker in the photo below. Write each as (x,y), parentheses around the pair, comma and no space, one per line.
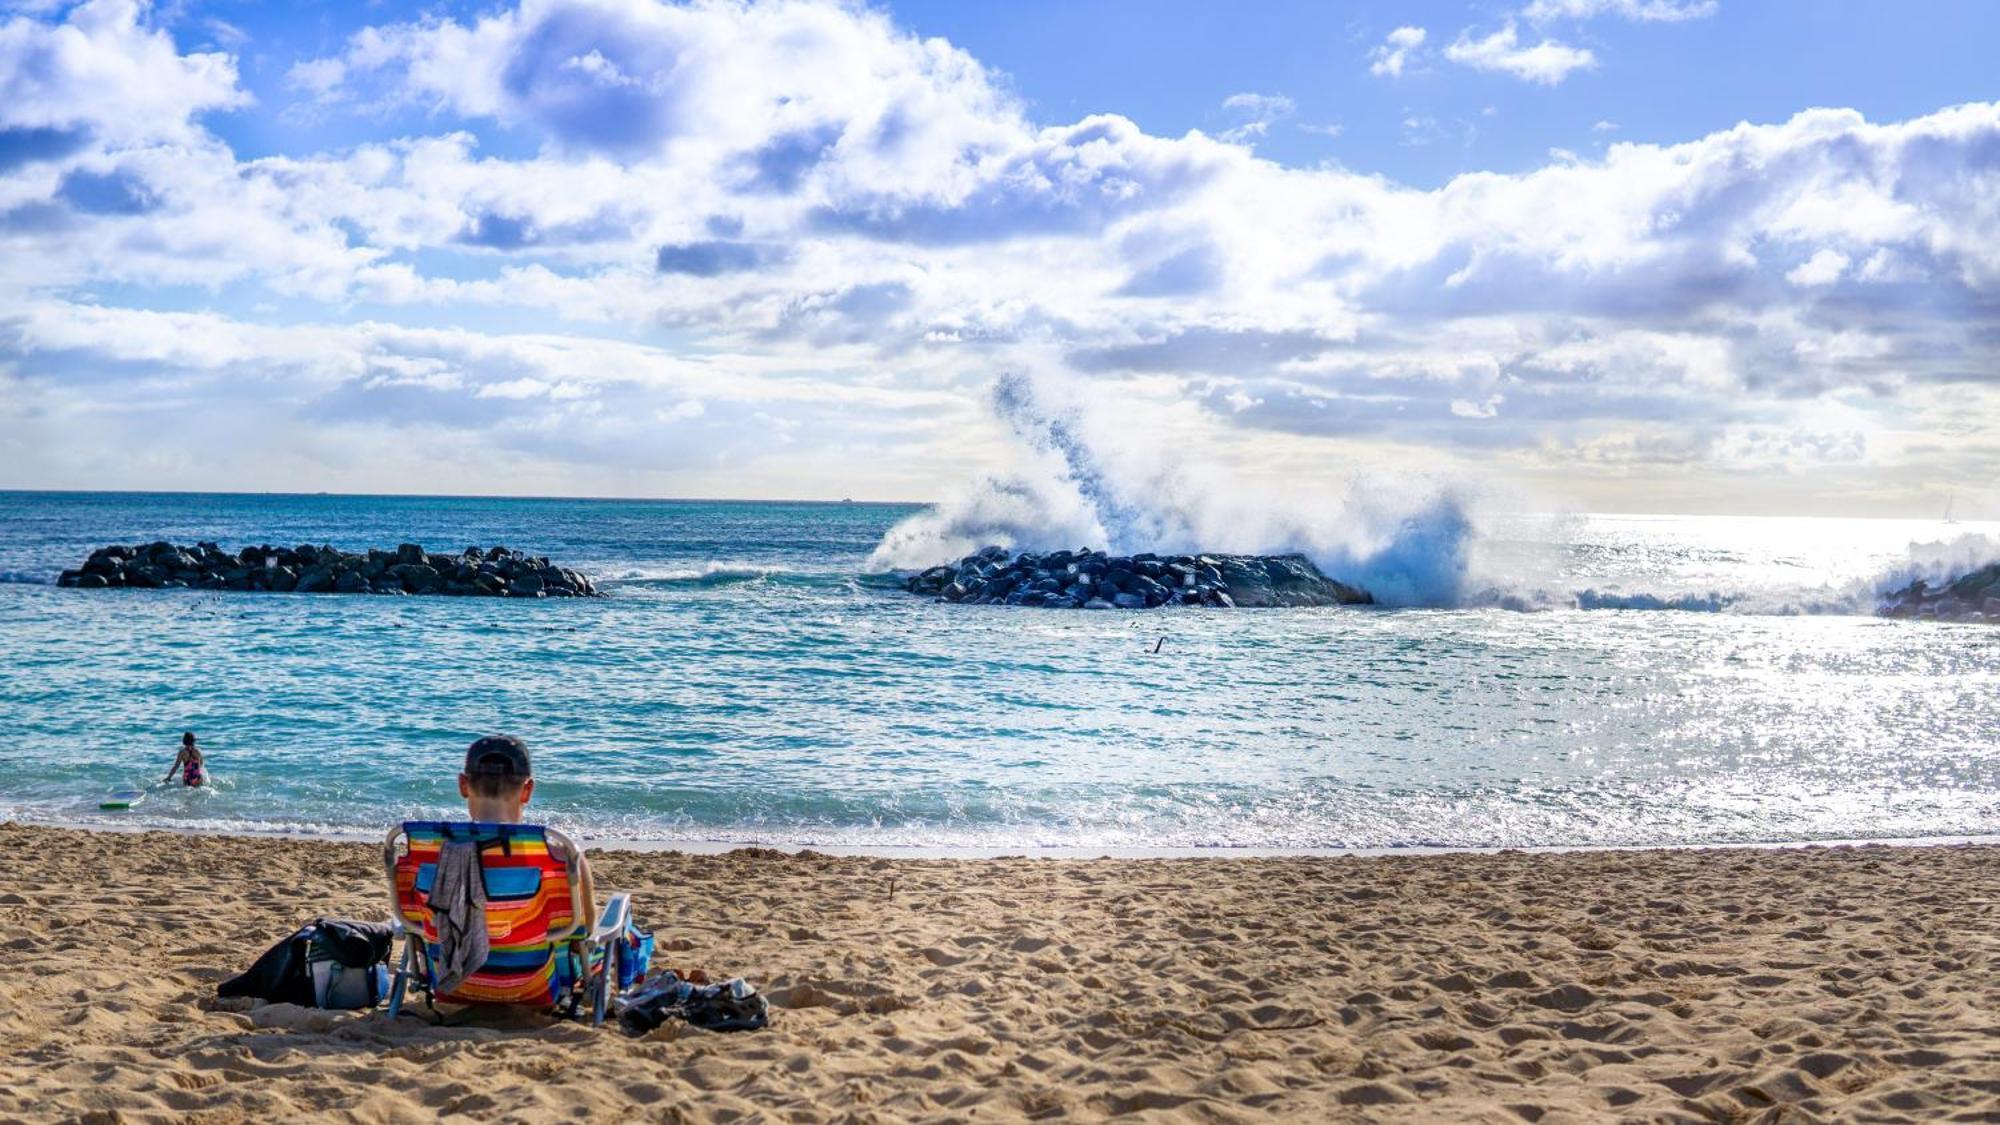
(307,569)
(1095,580)
(416,578)
(1971,597)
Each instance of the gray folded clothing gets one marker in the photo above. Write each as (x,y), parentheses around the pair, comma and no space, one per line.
(458,907)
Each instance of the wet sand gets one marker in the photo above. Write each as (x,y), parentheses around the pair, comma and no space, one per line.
(1797,984)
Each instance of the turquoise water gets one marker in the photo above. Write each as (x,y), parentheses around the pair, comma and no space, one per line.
(746,681)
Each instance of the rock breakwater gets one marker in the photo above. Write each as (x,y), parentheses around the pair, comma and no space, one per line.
(1087,579)
(306,569)
(1973,596)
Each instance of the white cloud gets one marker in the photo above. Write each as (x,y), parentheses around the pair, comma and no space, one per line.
(318,77)
(1604,127)
(1260,105)
(1823,268)
(1255,113)
(1645,11)
(639,79)
(102,71)
(1488,408)
(1389,59)
(1547,62)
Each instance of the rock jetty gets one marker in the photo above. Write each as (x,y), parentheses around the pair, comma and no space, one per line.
(305,569)
(1974,596)
(1087,579)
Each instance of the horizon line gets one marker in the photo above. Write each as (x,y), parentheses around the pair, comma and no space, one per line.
(329,494)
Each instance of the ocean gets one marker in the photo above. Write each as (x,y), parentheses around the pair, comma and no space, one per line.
(1592,680)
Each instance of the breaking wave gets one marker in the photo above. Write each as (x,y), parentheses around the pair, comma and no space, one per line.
(1939,561)
(1080,482)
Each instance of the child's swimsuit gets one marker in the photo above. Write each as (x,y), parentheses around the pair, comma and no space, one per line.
(191,776)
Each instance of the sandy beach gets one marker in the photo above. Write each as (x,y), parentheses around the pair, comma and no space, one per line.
(1842,983)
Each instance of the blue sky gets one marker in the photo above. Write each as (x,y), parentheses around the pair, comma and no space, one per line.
(1703,255)
(1169,66)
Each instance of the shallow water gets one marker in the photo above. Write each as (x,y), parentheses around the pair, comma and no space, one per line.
(744,682)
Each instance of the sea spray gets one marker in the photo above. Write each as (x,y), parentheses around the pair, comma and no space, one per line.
(1937,561)
(1807,592)
(1086,479)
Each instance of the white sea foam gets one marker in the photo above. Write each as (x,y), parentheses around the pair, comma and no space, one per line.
(710,573)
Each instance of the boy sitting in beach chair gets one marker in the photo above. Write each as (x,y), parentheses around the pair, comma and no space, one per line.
(494,911)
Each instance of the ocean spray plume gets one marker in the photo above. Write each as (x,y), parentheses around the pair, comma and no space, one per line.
(1939,561)
(1087,479)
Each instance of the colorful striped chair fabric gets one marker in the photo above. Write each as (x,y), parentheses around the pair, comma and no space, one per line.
(542,948)
(532,908)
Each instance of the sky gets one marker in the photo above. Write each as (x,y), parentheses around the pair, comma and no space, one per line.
(1617,255)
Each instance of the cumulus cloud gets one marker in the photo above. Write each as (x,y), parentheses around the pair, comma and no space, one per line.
(638,79)
(796,215)
(103,72)
(1823,268)
(1547,62)
(1393,54)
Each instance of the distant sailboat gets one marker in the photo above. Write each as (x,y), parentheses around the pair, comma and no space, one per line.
(1948,501)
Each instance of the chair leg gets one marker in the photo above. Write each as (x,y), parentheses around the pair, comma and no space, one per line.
(402,983)
(607,979)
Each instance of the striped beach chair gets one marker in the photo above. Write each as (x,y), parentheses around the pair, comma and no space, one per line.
(540,953)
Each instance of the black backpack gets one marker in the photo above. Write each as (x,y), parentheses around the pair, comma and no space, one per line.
(326,963)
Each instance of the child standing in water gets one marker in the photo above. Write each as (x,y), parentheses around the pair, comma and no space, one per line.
(188,763)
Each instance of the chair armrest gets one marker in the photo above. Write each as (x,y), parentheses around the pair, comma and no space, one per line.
(610,923)
(389,872)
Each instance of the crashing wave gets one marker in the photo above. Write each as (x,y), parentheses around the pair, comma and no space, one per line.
(1954,581)
(1085,482)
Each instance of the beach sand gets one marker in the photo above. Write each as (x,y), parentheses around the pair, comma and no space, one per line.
(1849,983)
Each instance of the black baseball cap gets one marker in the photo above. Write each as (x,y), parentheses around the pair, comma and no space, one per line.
(500,756)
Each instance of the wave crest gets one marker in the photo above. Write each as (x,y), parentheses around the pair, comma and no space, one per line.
(711,573)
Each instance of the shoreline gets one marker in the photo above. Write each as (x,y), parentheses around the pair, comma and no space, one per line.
(1049,852)
(1727,984)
